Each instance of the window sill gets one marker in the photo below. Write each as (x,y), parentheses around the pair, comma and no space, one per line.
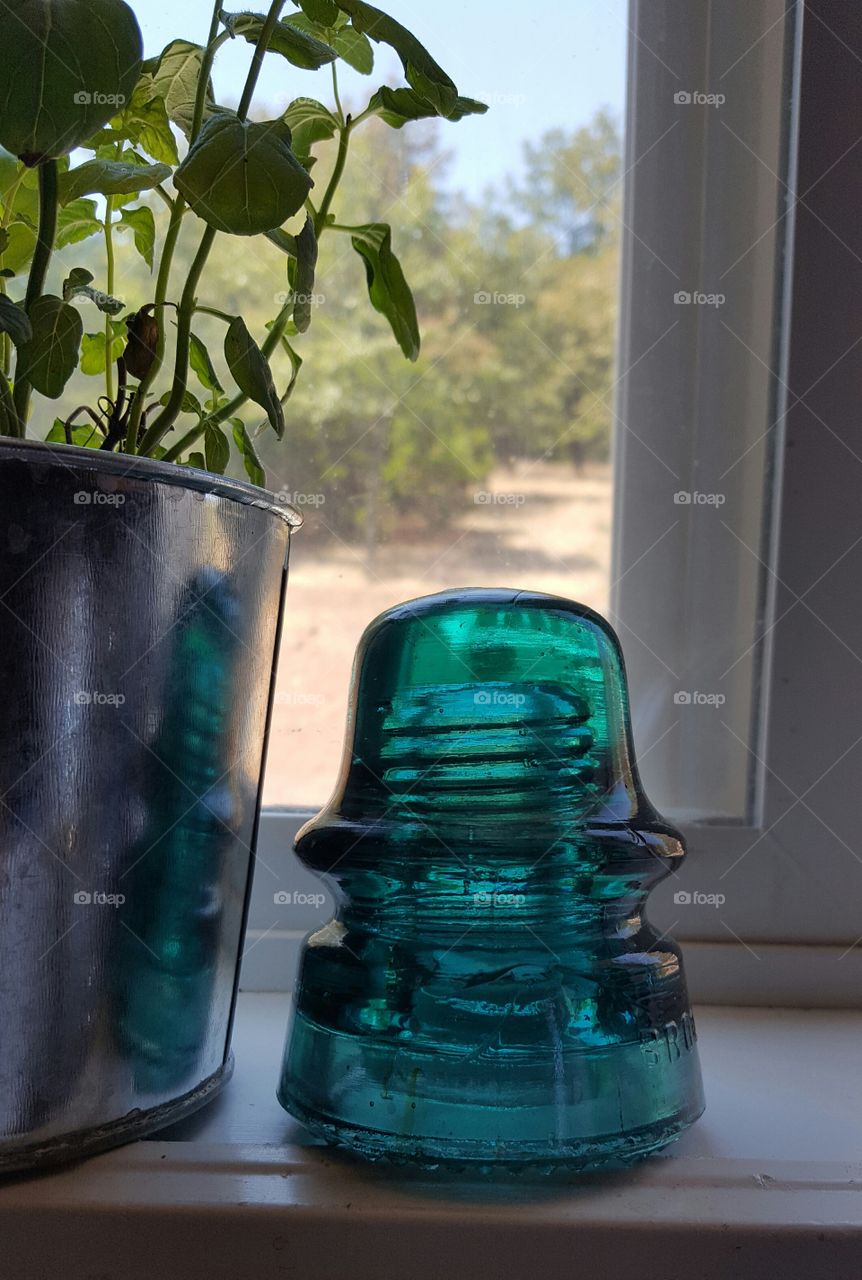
(769,1182)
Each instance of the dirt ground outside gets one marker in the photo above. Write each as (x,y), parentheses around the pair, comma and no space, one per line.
(541,527)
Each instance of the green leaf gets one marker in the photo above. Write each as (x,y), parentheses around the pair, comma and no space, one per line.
(64,66)
(78,284)
(196,460)
(14,321)
(78,278)
(242,177)
(145,124)
(190,403)
(77,221)
(300,48)
(308,111)
(355,48)
(309,122)
(93,360)
(49,359)
(19,247)
(388,290)
(202,365)
(143,228)
(25,200)
(87,435)
(110,177)
(300,274)
(93,348)
(251,373)
(217,450)
(250,460)
(323,12)
(121,201)
(173,77)
(422,73)
(397,106)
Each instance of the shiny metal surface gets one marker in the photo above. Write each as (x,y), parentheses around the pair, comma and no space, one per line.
(140,609)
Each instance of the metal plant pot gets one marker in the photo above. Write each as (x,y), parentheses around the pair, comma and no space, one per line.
(140,613)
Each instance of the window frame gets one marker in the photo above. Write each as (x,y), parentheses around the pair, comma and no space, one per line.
(787,932)
(789,927)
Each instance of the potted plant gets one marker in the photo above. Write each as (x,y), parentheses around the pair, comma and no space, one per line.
(141,602)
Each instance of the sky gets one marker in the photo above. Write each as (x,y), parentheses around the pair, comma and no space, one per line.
(539,66)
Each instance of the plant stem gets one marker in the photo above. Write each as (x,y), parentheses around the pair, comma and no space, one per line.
(8,408)
(257,57)
(280,323)
(233,406)
(110,282)
(185,311)
(171,237)
(332,186)
(160,191)
(109,285)
(168,416)
(338,106)
(48,205)
(178,210)
(185,442)
(214,311)
(11,194)
(362,117)
(212,46)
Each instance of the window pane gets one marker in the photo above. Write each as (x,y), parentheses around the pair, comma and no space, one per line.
(709,210)
(485,462)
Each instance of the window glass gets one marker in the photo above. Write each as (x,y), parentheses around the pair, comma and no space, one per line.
(485,462)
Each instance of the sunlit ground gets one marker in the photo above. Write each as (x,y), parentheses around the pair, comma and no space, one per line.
(548,530)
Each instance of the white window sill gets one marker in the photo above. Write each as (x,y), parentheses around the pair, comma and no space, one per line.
(768,1183)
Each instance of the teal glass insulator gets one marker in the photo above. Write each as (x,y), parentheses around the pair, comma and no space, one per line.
(489,990)
(176,885)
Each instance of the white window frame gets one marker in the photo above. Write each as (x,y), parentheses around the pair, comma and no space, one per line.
(710,187)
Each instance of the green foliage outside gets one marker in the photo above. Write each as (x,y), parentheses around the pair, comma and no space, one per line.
(515,297)
(392,445)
